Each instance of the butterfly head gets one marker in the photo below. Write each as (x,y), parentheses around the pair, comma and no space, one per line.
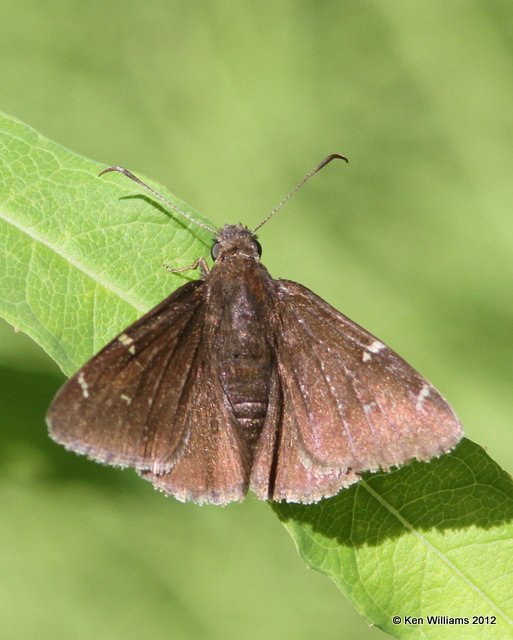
(235,240)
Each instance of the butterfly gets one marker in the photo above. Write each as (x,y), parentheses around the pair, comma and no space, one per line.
(240,381)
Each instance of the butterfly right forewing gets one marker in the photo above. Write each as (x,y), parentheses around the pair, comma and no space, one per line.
(348,403)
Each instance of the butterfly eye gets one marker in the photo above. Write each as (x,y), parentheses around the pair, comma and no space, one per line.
(214,252)
(258,247)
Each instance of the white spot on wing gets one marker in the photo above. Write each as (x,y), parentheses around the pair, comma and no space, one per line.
(376,346)
(424,392)
(83,385)
(125,340)
(126,398)
(368,407)
(132,350)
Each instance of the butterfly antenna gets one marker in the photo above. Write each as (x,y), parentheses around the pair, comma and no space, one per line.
(310,174)
(130,175)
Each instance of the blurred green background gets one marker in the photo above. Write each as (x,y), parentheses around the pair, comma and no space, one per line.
(229,104)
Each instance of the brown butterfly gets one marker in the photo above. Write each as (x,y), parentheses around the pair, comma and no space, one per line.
(239,381)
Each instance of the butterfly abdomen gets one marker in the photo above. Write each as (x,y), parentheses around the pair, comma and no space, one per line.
(245,357)
(246,366)
(246,385)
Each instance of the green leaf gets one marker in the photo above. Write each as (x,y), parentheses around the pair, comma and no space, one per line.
(82,255)
(427,539)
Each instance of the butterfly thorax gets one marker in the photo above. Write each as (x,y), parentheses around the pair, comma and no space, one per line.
(238,306)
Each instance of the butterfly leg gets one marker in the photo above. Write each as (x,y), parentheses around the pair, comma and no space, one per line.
(200,264)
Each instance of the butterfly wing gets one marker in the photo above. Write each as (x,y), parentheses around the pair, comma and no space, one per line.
(148,401)
(343,403)
(115,409)
(283,468)
(214,466)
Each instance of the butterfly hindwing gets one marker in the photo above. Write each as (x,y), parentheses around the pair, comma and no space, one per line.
(283,469)
(213,466)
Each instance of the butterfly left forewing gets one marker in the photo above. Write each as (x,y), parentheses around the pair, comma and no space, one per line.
(121,407)
(352,402)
